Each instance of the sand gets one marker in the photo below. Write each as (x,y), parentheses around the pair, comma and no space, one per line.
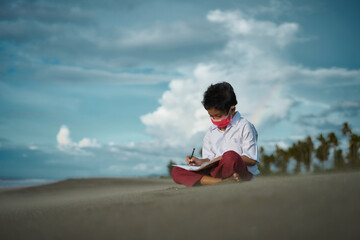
(325,206)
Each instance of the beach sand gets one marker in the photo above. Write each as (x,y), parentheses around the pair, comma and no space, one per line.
(325,206)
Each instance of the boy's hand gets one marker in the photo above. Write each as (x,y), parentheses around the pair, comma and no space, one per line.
(194,161)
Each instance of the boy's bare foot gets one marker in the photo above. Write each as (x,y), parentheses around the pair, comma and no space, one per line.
(234,178)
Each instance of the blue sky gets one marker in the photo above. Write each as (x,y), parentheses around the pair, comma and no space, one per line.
(113,88)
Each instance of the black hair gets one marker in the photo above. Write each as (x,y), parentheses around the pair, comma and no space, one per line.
(220,96)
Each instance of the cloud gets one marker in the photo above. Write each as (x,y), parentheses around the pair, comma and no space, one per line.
(78,43)
(63,137)
(164,36)
(103,43)
(33,147)
(83,159)
(140,167)
(20,161)
(34,10)
(89,41)
(270,146)
(79,74)
(129,159)
(4,142)
(330,118)
(348,108)
(65,143)
(254,62)
(88,143)
(238,25)
(275,7)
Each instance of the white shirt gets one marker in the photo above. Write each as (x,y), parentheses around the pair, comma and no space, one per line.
(240,136)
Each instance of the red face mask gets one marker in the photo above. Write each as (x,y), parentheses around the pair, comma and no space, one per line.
(223,122)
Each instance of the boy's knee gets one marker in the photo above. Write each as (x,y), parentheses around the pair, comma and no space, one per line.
(175,172)
(231,156)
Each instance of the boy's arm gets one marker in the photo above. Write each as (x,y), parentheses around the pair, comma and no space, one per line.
(248,161)
(196,161)
(249,145)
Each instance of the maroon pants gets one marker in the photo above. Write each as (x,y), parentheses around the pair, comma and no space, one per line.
(230,163)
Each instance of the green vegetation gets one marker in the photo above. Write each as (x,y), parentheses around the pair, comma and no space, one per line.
(304,151)
(170,167)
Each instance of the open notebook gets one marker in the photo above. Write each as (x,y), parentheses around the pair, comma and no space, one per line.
(196,168)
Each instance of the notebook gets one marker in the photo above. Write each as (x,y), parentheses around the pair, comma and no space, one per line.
(197,168)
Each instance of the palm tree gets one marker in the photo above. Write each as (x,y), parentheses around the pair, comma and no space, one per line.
(322,151)
(353,154)
(170,167)
(295,152)
(262,158)
(281,159)
(265,162)
(354,144)
(309,148)
(346,129)
(339,159)
(333,142)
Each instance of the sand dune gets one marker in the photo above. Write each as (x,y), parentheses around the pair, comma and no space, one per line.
(299,207)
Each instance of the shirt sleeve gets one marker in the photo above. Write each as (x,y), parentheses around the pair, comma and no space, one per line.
(249,143)
(206,149)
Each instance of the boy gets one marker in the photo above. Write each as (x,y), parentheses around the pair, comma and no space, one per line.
(231,138)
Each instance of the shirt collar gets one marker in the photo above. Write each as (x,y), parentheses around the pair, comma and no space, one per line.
(235,119)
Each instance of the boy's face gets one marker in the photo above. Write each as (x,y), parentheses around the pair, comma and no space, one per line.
(218,114)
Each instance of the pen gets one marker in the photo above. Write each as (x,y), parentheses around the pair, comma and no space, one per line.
(192,154)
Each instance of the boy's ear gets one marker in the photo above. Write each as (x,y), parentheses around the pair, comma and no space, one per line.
(233,108)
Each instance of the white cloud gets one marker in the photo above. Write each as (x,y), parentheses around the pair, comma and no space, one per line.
(114,169)
(330,76)
(296,138)
(63,137)
(87,142)
(33,147)
(274,8)
(253,61)
(180,108)
(270,146)
(75,73)
(238,25)
(282,145)
(140,167)
(65,143)
(156,36)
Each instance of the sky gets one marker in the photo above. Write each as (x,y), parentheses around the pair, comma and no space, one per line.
(114,88)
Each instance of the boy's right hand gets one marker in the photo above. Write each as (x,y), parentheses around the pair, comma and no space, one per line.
(194,161)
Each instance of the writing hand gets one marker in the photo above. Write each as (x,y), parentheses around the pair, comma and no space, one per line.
(194,161)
